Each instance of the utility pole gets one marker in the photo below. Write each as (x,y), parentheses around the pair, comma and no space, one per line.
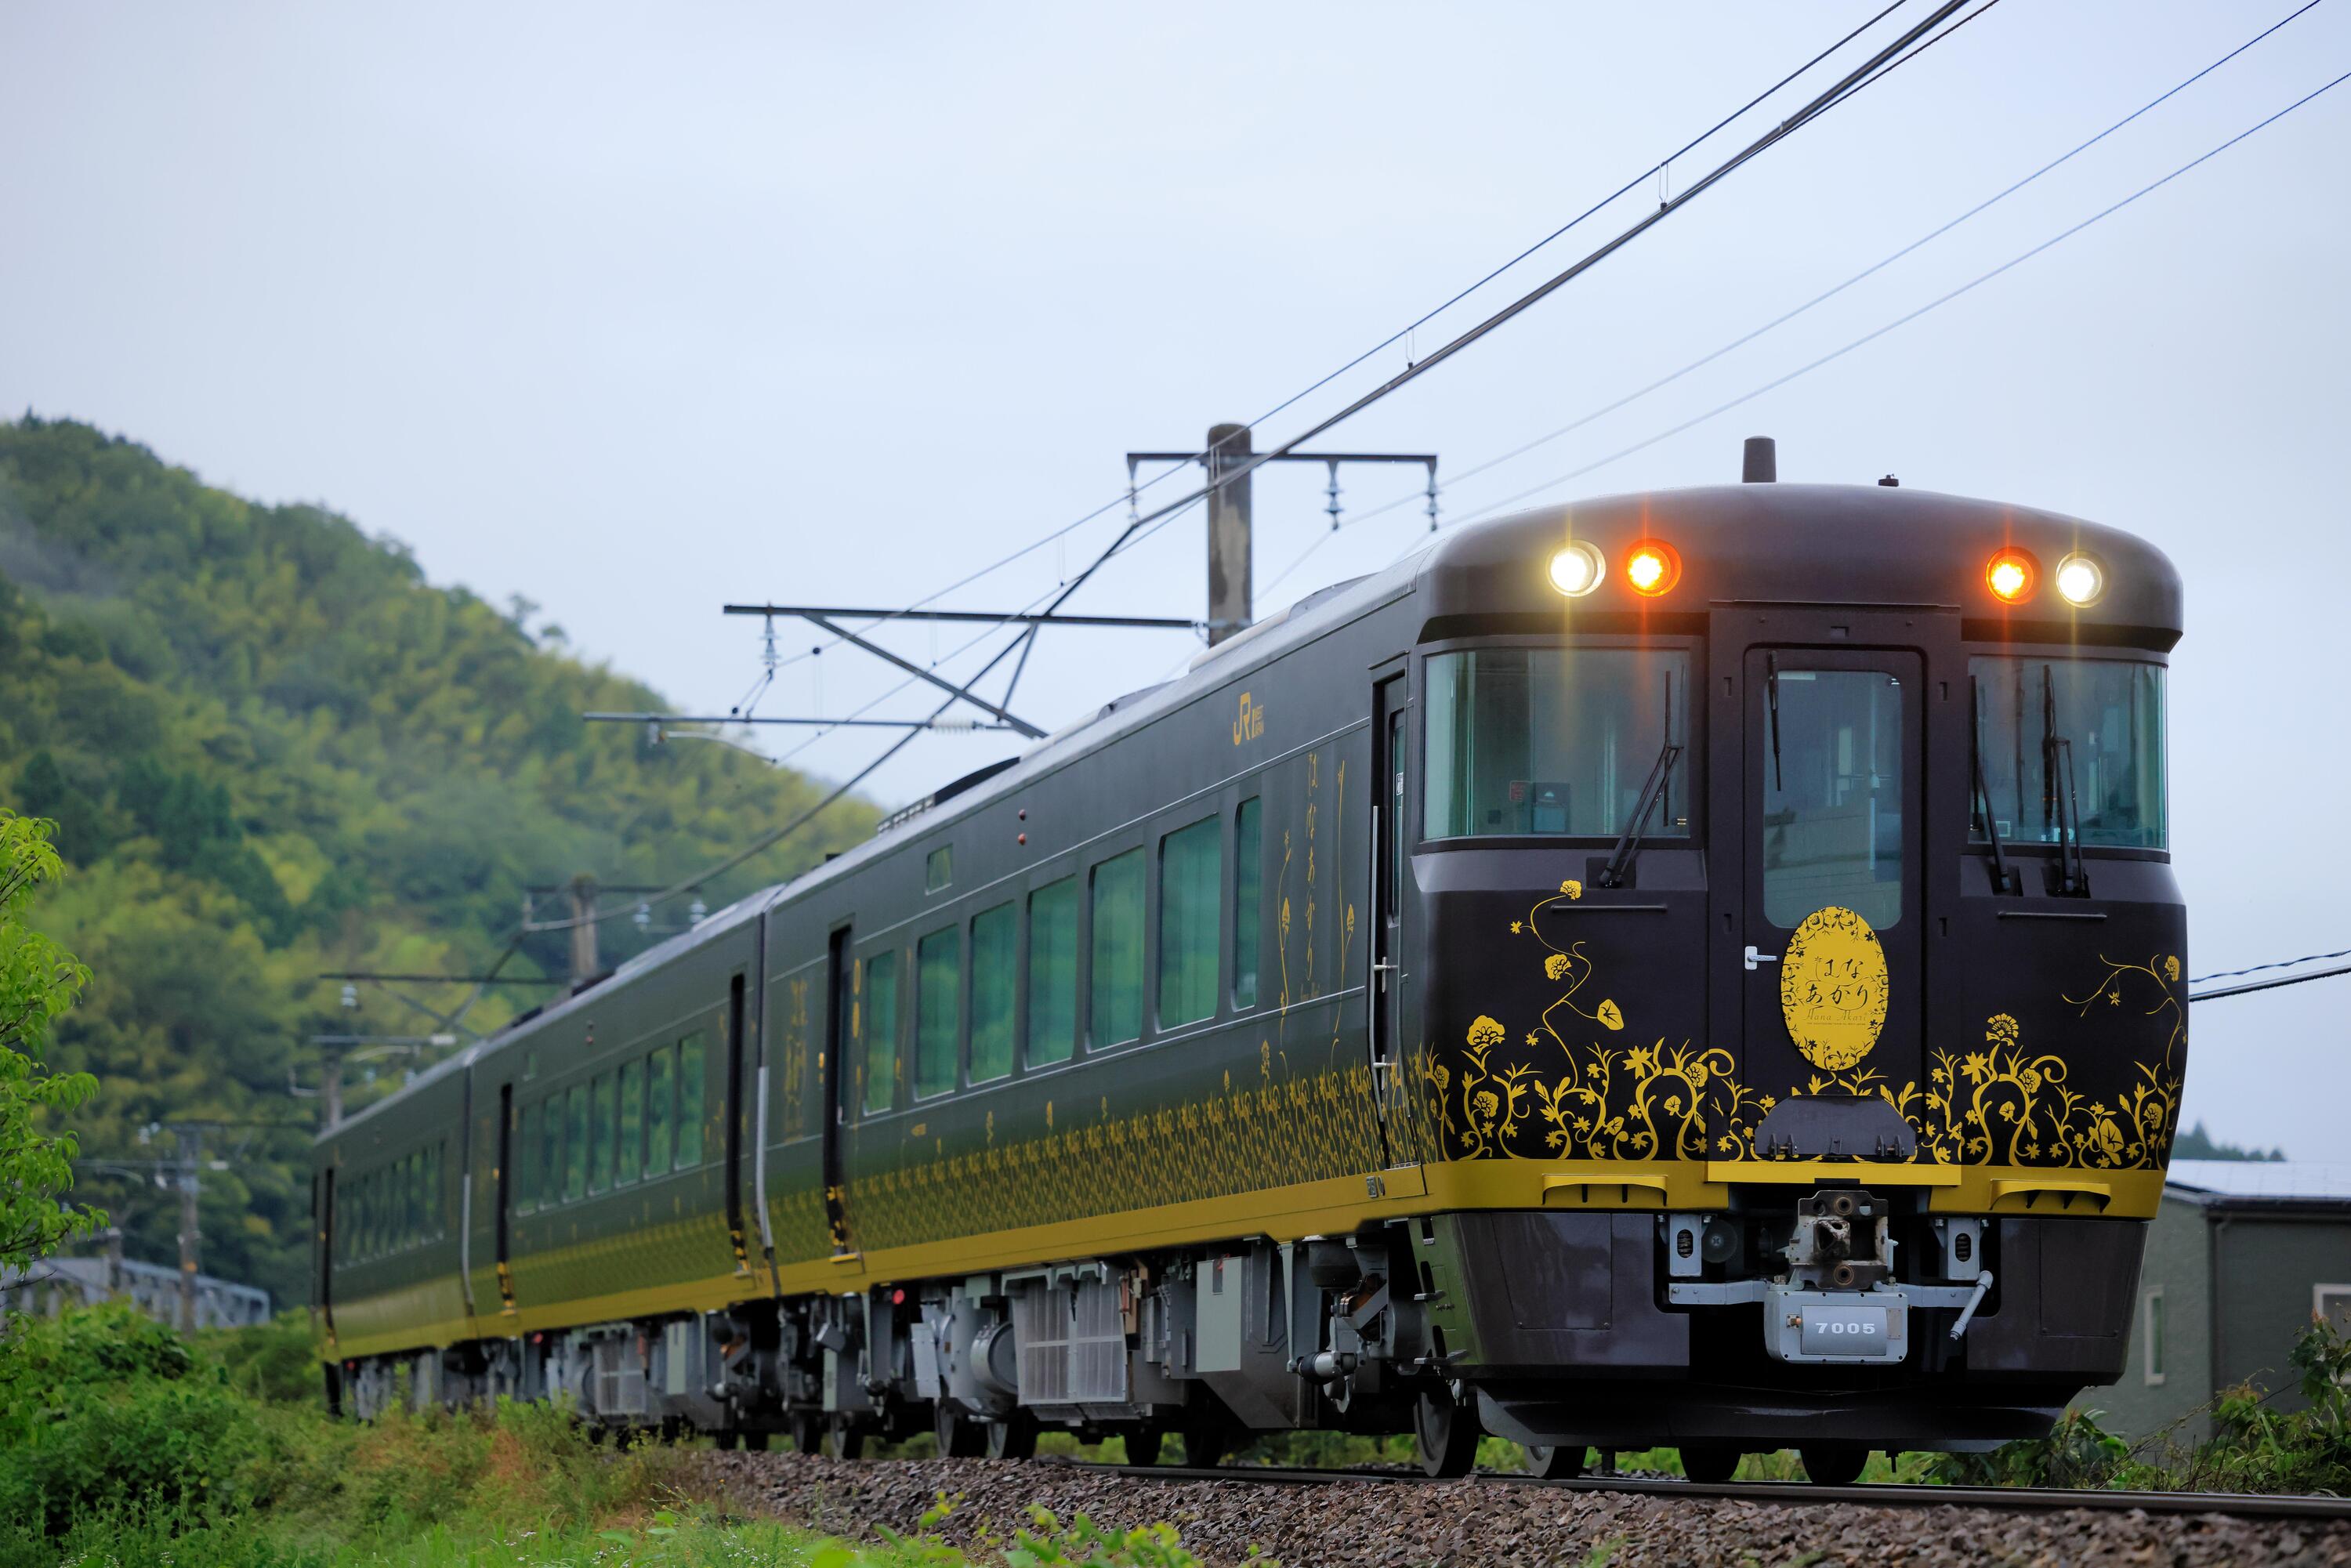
(191,1154)
(330,1088)
(585,965)
(1229,546)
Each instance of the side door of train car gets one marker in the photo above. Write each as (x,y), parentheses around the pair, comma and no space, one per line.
(1829,916)
(1390,887)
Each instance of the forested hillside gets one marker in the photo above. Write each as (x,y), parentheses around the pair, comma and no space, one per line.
(273,748)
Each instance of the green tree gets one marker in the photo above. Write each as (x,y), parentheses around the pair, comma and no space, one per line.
(38,980)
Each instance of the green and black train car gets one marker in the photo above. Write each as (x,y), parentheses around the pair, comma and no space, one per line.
(1698,968)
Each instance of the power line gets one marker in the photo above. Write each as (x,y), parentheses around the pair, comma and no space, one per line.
(1871,72)
(2281,964)
(2267,984)
(1818,300)
(1906,320)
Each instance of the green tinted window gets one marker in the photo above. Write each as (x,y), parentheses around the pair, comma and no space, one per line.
(1249,887)
(604,1109)
(995,977)
(550,1151)
(525,1154)
(631,1159)
(1053,972)
(661,1111)
(877,1018)
(690,1107)
(1114,998)
(575,1143)
(938,961)
(1190,872)
(433,1193)
(414,1231)
(938,868)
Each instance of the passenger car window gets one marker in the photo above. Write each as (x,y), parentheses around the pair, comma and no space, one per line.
(938,959)
(878,1021)
(661,1109)
(995,981)
(1052,972)
(605,1110)
(1248,888)
(1114,997)
(630,1159)
(938,868)
(1191,872)
(691,1108)
(575,1143)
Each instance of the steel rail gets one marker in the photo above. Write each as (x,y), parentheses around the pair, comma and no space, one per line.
(1791,1494)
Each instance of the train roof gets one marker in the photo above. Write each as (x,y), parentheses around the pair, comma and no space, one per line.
(1749,543)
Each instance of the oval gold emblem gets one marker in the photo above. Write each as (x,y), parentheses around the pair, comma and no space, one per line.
(1832,988)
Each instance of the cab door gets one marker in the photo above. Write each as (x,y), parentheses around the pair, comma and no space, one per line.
(1832,911)
(1390,833)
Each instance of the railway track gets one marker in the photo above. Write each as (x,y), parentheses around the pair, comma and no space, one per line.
(1785,1494)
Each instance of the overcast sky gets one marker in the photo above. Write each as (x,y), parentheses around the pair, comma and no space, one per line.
(634,312)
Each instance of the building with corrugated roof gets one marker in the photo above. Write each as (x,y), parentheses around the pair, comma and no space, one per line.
(2240,1257)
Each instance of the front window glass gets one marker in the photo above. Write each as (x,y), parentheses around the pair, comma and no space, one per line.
(2106,713)
(1555,741)
(1832,795)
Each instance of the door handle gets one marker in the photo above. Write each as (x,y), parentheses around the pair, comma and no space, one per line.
(1752,958)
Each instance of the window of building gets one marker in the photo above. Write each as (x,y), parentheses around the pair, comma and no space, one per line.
(1248,888)
(661,1109)
(878,1025)
(1052,972)
(1114,997)
(1832,796)
(938,961)
(603,1113)
(575,1143)
(938,869)
(1191,874)
(630,1159)
(1554,741)
(2332,1305)
(692,1110)
(2152,1327)
(994,981)
(2107,715)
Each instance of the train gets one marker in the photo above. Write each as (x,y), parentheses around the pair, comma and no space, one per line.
(1700,968)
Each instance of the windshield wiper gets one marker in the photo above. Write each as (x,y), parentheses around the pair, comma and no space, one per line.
(2000,879)
(2072,879)
(1772,701)
(1629,845)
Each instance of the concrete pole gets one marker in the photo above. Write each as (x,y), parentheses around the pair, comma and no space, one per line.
(330,1088)
(192,1159)
(585,963)
(1229,547)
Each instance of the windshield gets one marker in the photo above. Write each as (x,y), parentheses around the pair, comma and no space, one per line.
(1554,741)
(2112,712)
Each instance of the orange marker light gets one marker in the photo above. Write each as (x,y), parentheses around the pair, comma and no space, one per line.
(2012,575)
(1652,567)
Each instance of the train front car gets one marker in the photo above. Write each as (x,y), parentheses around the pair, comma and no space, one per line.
(1799,969)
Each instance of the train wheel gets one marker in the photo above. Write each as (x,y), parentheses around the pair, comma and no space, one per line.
(1206,1441)
(1833,1463)
(960,1437)
(1553,1462)
(807,1430)
(1709,1463)
(1446,1434)
(1013,1438)
(844,1439)
(1142,1448)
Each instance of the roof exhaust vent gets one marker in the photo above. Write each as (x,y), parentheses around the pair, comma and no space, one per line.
(1762,464)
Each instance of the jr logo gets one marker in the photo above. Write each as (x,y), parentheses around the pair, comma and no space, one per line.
(1251,722)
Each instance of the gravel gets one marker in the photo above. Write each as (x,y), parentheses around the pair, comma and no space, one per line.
(1467,1523)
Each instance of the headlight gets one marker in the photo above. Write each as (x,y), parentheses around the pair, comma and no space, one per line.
(2012,574)
(1576,568)
(1652,567)
(2080,580)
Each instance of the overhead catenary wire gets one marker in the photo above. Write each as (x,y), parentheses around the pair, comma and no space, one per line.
(1870,72)
(1462,476)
